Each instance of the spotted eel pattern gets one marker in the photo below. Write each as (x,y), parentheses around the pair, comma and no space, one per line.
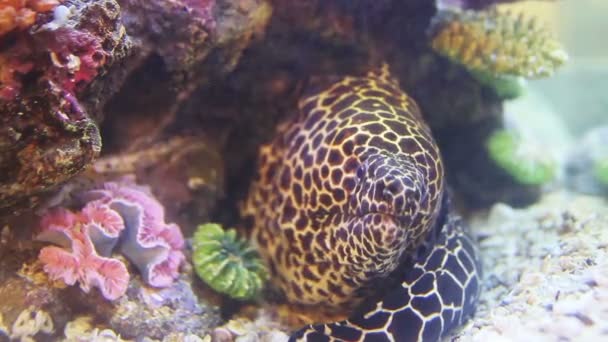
(349,211)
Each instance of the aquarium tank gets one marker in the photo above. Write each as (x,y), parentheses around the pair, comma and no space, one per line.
(303,170)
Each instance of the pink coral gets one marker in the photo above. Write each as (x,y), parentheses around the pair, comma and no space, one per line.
(122,216)
(151,244)
(81,264)
(105,226)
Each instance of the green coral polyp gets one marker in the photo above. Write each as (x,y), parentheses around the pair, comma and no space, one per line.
(508,150)
(601,170)
(229,265)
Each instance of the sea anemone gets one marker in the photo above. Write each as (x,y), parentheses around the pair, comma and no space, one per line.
(521,158)
(227,264)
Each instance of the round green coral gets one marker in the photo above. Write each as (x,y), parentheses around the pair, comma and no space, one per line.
(227,264)
(511,153)
(601,170)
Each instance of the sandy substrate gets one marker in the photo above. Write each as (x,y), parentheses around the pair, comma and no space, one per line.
(546,271)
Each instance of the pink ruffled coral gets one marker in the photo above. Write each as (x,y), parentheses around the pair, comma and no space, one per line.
(120,216)
(81,263)
(105,226)
(154,246)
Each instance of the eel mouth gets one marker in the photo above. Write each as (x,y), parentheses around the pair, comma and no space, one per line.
(400,220)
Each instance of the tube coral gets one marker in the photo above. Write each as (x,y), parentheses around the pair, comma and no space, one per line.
(227,264)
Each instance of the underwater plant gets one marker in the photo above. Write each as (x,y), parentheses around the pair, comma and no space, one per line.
(226,263)
(120,216)
(520,158)
(498,47)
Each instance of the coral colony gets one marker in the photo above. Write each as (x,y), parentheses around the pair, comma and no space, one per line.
(119,217)
(226,263)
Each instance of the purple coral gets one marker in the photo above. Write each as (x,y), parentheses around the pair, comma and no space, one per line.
(151,244)
(119,216)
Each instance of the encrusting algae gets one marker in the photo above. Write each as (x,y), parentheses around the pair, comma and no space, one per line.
(226,263)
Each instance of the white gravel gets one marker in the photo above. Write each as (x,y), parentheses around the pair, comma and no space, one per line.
(546,271)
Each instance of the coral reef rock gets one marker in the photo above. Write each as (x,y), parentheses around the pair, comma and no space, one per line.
(47,133)
(58,75)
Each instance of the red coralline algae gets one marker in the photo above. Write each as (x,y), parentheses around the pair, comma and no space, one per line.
(67,56)
(204,8)
(76,58)
(120,216)
(13,66)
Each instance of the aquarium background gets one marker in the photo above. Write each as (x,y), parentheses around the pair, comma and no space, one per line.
(577,93)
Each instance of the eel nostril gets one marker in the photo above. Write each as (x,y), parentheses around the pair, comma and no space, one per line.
(387,193)
(361,171)
(393,189)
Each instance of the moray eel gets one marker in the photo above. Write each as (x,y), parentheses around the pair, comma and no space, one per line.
(350,212)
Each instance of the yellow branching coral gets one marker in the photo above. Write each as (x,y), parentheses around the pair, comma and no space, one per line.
(498,43)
